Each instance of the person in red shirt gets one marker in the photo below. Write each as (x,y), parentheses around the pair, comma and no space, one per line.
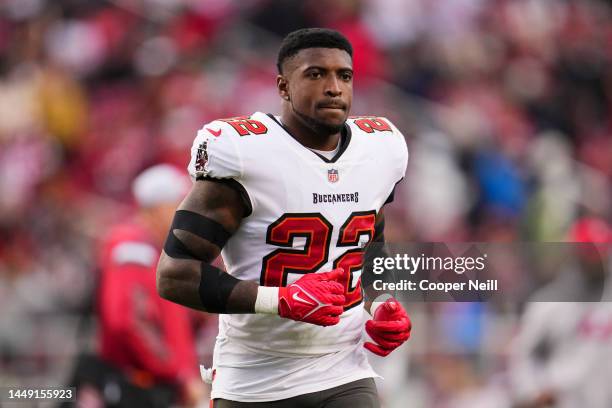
(148,339)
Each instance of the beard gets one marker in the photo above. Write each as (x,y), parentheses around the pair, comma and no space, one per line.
(316,126)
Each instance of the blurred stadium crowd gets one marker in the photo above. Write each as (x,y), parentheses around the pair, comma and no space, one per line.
(506,106)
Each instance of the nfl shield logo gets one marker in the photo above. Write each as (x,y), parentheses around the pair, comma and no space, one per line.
(332,175)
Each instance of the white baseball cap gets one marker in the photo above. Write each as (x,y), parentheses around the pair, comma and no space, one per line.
(160,184)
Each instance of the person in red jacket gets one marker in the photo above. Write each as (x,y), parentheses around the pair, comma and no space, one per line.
(148,339)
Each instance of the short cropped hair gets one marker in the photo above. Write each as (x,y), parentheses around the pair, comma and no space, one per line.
(311,38)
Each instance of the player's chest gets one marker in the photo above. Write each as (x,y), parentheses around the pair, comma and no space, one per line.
(299,184)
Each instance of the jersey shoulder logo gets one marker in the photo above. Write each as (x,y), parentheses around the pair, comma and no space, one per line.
(201,158)
(215,133)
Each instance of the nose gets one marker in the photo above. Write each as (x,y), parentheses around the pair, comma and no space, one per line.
(332,87)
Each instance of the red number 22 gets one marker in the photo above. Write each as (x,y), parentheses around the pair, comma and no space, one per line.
(317,232)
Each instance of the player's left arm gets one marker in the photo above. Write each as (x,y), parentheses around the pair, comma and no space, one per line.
(390,326)
(376,249)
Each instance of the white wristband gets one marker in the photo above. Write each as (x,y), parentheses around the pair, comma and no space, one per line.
(379,302)
(267,300)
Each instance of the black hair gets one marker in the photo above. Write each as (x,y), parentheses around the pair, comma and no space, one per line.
(311,38)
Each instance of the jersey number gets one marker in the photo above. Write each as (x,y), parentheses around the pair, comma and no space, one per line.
(317,231)
(246,126)
(370,125)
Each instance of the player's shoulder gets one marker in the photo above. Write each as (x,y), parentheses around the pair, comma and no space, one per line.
(379,137)
(377,132)
(221,146)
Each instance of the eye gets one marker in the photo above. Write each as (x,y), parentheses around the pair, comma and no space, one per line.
(314,75)
(347,76)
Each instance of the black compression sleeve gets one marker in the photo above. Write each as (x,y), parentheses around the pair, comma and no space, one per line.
(376,249)
(198,225)
(215,288)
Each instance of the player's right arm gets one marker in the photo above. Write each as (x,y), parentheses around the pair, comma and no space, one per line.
(204,221)
(206,218)
(208,215)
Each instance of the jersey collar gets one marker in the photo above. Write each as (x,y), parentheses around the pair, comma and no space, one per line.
(345,139)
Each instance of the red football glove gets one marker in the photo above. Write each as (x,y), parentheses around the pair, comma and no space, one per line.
(389,329)
(315,298)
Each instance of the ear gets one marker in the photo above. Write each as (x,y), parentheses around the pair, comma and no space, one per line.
(283,87)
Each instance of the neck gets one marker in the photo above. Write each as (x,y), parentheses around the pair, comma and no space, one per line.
(306,135)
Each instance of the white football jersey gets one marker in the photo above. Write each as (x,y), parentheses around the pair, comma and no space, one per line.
(308,214)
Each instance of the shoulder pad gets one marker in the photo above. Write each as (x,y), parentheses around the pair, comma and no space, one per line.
(214,152)
(393,144)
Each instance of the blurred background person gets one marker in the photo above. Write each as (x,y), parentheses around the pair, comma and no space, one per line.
(147,355)
(562,347)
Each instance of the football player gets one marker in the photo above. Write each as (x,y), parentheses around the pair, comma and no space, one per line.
(291,203)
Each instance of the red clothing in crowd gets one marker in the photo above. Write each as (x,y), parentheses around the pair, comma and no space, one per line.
(145,336)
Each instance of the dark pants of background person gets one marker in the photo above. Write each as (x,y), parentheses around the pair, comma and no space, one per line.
(113,389)
(357,394)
